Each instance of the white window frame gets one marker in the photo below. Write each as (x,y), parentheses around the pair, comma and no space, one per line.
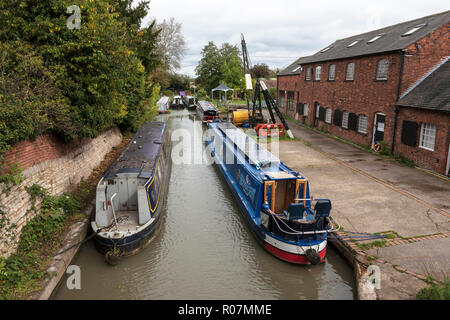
(427,135)
(363,123)
(328,113)
(318,73)
(332,75)
(305,110)
(345,115)
(347,77)
(308,74)
(317,111)
(382,69)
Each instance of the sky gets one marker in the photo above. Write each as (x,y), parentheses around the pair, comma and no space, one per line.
(279,32)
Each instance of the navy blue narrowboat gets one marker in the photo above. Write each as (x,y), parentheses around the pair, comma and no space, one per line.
(131,195)
(274,199)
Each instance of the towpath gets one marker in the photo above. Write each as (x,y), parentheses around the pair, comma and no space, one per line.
(371,194)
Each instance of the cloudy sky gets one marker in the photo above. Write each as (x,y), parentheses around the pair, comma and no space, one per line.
(278,32)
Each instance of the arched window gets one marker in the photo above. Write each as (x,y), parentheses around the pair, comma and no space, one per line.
(382,69)
(318,72)
(350,74)
(332,72)
(328,115)
(362,124)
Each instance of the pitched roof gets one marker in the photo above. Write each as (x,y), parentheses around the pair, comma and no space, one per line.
(431,92)
(293,69)
(391,38)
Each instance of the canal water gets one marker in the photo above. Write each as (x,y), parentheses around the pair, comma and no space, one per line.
(205,251)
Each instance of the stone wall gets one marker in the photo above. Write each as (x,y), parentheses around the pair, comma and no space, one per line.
(52,164)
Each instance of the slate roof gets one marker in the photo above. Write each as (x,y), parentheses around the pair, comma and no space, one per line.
(294,66)
(432,92)
(391,39)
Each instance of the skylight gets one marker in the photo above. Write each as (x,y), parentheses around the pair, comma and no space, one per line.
(326,49)
(413,30)
(375,38)
(296,69)
(353,43)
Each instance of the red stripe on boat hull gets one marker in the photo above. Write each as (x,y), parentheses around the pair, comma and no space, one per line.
(291,257)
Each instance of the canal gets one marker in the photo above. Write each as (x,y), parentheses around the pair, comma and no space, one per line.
(205,251)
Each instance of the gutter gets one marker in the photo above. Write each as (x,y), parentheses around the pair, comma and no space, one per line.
(397,108)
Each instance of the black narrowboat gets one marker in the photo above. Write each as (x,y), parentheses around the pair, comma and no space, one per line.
(131,196)
(207,112)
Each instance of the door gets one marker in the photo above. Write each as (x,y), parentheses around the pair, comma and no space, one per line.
(379,127)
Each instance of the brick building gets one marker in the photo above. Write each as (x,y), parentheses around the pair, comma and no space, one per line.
(366,89)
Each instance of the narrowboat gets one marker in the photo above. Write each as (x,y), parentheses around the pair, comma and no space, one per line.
(274,199)
(177,102)
(191,102)
(163,105)
(131,196)
(207,112)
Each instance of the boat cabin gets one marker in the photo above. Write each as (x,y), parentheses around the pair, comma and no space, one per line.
(177,102)
(207,112)
(163,105)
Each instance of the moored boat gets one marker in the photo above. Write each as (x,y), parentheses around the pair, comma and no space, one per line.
(207,112)
(274,199)
(131,195)
(191,102)
(177,102)
(163,105)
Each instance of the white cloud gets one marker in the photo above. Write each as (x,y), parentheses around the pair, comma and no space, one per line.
(278,32)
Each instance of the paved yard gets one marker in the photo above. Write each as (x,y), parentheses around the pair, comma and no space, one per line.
(371,194)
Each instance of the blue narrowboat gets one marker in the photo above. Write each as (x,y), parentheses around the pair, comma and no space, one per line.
(207,112)
(131,195)
(274,199)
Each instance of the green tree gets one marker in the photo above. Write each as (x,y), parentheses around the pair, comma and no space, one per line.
(209,69)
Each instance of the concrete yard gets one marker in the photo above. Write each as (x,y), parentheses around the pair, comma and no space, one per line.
(371,194)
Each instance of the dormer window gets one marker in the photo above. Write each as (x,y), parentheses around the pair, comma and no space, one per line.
(354,43)
(413,30)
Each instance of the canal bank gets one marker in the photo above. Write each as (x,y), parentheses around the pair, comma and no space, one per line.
(205,250)
(374,195)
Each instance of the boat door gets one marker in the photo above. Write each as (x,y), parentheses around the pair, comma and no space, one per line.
(378,128)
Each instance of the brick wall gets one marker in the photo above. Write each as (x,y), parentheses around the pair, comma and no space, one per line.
(424,55)
(54,165)
(364,95)
(433,160)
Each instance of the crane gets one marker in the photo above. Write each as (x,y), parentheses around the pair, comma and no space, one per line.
(255,113)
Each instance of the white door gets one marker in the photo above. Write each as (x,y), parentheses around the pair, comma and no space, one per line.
(448,162)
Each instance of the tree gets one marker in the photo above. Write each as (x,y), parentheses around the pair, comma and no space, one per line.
(260,71)
(219,65)
(171,44)
(209,68)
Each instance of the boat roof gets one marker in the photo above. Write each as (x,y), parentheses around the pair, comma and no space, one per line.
(163,100)
(206,105)
(141,153)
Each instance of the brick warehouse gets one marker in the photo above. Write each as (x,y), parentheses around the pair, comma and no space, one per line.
(367,88)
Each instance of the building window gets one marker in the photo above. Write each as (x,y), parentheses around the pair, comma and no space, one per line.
(362,124)
(375,38)
(290,100)
(413,30)
(318,72)
(332,72)
(308,74)
(328,116)
(305,110)
(345,120)
(350,74)
(427,136)
(281,99)
(382,69)
(337,120)
(354,43)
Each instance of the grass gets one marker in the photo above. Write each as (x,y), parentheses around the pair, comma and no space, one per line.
(435,292)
